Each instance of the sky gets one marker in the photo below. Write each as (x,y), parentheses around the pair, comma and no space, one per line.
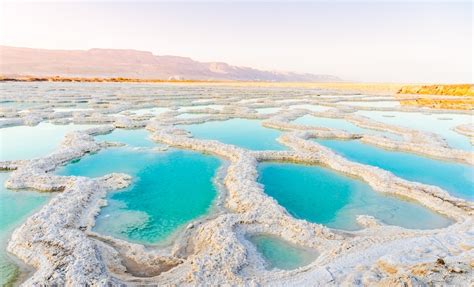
(427,42)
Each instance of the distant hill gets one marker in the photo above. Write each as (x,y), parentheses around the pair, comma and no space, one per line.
(107,63)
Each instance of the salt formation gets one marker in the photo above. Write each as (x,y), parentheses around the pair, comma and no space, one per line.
(58,241)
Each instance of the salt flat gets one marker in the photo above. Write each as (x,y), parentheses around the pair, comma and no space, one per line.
(107,144)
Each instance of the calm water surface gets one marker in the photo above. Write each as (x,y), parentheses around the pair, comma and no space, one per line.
(135,138)
(441,124)
(341,124)
(15,206)
(249,134)
(170,189)
(456,178)
(153,111)
(281,254)
(17,142)
(323,196)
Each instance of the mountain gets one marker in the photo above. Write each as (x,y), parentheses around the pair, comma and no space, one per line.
(107,63)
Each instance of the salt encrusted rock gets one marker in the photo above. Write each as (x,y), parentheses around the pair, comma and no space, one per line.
(9,113)
(32,120)
(61,121)
(124,122)
(59,242)
(367,221)
(51,240)
(467,130)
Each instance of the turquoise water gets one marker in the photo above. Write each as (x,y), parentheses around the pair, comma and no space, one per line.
(314,108)
(135,138)
(170,189)
(26,142)
(341,124)
(456,178)
(249,134)
(441,124)
(15,206)
(154,111)
(281,254)
(322,196)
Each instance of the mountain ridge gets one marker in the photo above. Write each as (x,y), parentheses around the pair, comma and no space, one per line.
(130,63)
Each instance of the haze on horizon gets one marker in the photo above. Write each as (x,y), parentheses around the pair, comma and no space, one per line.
(357,41)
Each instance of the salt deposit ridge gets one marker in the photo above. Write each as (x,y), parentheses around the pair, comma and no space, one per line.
(59,243)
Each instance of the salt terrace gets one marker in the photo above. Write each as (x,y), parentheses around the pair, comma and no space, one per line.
(218,247)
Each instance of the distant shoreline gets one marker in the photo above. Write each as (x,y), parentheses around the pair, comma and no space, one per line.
(370,88)
(356,87)
(101,80)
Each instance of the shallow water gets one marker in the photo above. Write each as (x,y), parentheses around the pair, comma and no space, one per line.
(249,134)
(19,106)
(341,124)
(456,178)
(382,104)
(154,111)
(170,189)
(135,138)
(15,206)
(441,124)
(323,196)
(314,108)
(190,116)
(26,142)
(281,254)
(195,107)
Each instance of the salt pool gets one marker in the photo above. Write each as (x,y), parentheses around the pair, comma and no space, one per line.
(153,111)
(441,124)
(15,206)
(341,124)
(249,134)
(323,196)
(169,190)
(456,178)
(134,138)
(190,116)
(27,142)
(281,254)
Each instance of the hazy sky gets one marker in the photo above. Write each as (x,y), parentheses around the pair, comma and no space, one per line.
(360,41)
